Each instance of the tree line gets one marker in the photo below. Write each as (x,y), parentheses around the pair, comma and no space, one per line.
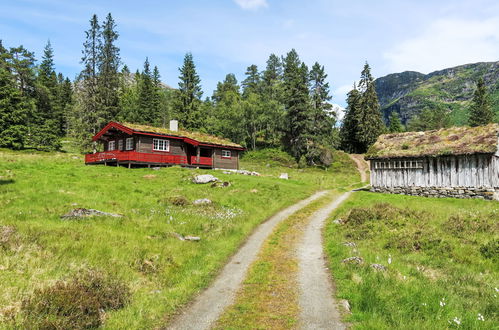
(285,105)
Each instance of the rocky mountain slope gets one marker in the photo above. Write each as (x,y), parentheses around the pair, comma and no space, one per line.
(410,92)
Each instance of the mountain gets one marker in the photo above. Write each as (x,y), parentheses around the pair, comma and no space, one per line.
(410,92)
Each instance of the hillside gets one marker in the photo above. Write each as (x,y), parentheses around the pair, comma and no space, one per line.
(144,270)
(410,92)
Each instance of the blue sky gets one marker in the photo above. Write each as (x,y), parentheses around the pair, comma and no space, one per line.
(226,36)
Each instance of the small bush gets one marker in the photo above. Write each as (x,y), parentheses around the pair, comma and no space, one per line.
(490,250)
(75,304)
(469,223)
(379,212)
(178,201)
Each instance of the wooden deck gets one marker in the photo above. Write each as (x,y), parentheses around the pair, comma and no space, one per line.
(134,157)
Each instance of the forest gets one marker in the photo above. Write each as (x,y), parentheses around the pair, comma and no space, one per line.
(286,105)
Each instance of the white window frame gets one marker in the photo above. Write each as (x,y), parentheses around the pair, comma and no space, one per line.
(226,154)
(129,143)
(120,144)
(111,145)
(161,145)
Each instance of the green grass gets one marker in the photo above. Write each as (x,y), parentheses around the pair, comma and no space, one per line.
(139,249)
(444,261)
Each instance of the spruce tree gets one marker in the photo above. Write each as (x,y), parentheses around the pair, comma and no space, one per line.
(86,119)
(188,95)
(323,118)
(480,110)
(14,109)
(146,111)
(349,127)
(251,84)
(108,78)
(272,94)
(370,122)
(297,105)
(395,125)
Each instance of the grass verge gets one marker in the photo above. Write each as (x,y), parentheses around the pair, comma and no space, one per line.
(268,298)
(441,258)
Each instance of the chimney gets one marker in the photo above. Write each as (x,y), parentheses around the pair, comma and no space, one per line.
(174,125)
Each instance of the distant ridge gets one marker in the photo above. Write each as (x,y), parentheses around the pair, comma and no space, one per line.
(409,92)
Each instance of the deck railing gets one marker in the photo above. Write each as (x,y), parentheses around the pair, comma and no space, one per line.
(134,156)
(202,161)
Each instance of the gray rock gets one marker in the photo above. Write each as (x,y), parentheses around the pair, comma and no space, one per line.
(378,267)
(351,244)
(338,221)
(284,176)
(345,304)
(353,260)
(204,178)
(202,201)
(82,213)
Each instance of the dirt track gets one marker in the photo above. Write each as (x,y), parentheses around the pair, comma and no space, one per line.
(362,165)
(209,305)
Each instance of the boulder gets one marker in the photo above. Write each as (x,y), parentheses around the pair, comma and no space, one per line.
(284,176)
(82,213)
(204,178)
(202,201)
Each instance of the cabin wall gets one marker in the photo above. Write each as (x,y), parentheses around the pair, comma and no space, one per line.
(467,175)
(227,163)
(116,137)
(145,144)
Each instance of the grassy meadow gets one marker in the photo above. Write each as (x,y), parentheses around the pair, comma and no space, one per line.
(142,271)
(441,255)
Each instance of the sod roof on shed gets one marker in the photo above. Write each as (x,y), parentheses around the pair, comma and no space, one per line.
(200,137)
(446,141)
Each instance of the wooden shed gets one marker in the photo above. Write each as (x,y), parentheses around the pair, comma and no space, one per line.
(458,162)
(136,145)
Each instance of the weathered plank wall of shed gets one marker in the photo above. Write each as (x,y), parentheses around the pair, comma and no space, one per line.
(449,171)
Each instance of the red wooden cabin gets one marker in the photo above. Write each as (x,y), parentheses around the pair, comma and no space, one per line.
(140,145)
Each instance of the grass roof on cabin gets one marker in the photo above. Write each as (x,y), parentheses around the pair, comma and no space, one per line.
(200,137)
(445,141)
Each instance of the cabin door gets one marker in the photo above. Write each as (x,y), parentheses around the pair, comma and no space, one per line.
(191,154)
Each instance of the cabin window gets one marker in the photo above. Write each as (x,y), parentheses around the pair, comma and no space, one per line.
(129,144)
(120,144)
(226,154)
(160,145)
(111,145)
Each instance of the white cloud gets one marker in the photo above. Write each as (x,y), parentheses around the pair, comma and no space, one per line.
(252,4)
(446,43)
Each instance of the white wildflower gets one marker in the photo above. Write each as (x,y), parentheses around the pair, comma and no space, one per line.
(442,302)
(480,317)
(457,320)
(389,259)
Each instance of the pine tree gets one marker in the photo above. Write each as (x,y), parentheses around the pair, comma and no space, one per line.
(251,84)
(146,96)
(323,118)
(272,94)
(226,117)
(188,95)
(108,78)
(160,102)
(370,122)
(395,123)
(297,105)
(86,118)
(480,110)
(14,108)
(348,132)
